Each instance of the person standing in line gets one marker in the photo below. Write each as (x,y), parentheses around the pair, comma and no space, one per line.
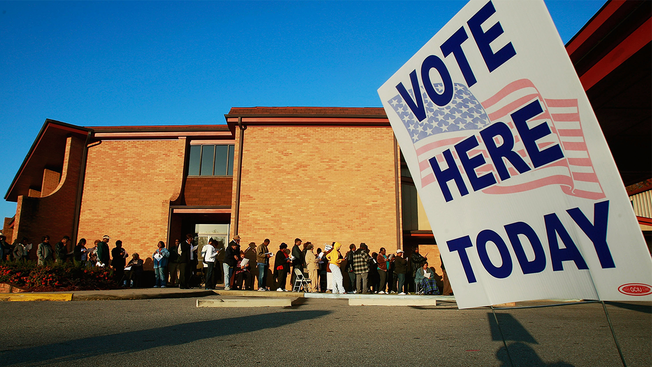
(390,274)
(173,264)
(231,257)
(262,263)
(382,270)
(334,260)
(250,255)
(81,252)
(374,277)
(349,268)
(160,257)
(447,291)
(282,267)
(312,264)
(22,249)
(61,250)
(191,269)
(416,263)
(400,268)
(298,260)
(323,272)
(361,268)
(184,260)
(209,252)
(92,254)
(44,251)
(103,251)
(119,261)
(6,250)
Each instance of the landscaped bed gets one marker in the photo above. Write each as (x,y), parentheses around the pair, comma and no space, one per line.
(29,277)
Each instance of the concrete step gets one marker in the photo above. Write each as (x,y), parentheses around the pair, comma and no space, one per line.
(246,302)
(387,301)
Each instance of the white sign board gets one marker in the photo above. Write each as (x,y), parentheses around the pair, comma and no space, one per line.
(517,180)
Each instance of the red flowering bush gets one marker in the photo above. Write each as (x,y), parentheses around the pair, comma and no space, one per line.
(55,277)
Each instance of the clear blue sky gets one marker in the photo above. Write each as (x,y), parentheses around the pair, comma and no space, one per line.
(178,63)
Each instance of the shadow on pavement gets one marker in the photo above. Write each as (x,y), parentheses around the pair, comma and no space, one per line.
(521,354)
(512,329)
(135,341)
(645,308)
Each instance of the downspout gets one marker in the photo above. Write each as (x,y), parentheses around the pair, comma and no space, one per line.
(397,190)
(80,189)
(236,214)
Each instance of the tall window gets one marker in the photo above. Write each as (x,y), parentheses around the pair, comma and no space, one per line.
(211,160)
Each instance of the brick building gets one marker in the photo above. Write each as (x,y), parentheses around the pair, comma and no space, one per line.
(321,174)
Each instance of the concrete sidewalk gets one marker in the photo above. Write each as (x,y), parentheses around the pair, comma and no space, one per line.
(154,293)
(109,294)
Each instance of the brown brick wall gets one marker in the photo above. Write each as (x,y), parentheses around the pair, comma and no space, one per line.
(319,183)
(52,214)
(8,229)
(208,190)
(51,180)
(127,192)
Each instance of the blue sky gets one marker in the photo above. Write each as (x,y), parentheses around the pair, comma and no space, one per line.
(178,63)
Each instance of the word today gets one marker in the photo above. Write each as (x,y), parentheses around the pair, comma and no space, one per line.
(596,231)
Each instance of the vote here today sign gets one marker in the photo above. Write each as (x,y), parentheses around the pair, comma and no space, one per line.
(516,178)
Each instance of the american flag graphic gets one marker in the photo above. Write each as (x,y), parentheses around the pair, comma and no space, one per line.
(465,116)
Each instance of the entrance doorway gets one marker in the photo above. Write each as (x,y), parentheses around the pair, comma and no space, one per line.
(218,232)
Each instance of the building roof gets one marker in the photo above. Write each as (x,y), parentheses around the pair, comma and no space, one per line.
(307,116)
(161,132)
(48,148)
(51,138)
(612,55)
(375,112)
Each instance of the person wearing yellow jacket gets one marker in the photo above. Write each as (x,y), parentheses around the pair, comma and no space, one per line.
(334,259)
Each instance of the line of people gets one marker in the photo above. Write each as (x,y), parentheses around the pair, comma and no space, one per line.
(366,272)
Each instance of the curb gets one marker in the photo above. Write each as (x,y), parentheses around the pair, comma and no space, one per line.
(135,296)
(267,294)
(26,297)
(99,296)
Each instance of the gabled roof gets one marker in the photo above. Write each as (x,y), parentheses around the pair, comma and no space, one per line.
(48,148)
(47,151)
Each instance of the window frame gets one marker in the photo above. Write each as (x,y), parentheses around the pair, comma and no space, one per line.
(228,167)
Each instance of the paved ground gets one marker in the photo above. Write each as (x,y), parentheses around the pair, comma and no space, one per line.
(155,332)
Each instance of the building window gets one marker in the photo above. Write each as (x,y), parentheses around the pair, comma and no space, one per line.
(211,160)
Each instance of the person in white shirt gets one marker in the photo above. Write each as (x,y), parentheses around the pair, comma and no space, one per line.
(209,252)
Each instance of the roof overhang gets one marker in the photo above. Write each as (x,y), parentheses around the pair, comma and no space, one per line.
(162,132)
(47,151)
(307,116)
(612,55)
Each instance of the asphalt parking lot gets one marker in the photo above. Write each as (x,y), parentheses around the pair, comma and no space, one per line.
(155,332)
